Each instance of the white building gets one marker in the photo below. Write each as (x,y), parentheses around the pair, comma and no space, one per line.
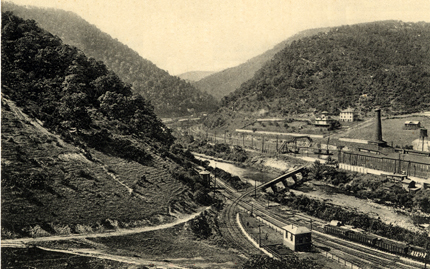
(348,115)
(297,238)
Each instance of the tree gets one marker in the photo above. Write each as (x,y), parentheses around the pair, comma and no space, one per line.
(73,111)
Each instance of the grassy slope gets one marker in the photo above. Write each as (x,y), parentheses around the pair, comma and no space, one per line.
(392,131)
(175,244)
(81,190)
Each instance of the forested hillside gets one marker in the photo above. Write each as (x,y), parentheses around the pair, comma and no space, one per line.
(78,147)
(384,64)
(195,75)
(169,95)
(226,81)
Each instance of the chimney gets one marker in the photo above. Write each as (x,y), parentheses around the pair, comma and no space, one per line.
(377,140)
(378,131)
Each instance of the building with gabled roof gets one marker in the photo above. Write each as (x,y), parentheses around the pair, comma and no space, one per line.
(297,238)
(412,125)
(348,115)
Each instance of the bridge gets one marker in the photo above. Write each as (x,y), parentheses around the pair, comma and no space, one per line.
(283,178)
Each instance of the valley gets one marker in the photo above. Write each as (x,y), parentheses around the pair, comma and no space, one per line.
(314,154)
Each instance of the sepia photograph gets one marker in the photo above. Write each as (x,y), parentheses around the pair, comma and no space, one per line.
(241,134)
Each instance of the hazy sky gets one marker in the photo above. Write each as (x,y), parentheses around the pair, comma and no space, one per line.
(211,35)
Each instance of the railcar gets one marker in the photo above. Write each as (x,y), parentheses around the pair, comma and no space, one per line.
(370,240)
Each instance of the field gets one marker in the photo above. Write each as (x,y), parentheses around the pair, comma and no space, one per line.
(392,130)
(177,245)
(37,258)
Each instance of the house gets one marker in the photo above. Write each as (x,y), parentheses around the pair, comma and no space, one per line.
(412,125)
(348,115)
(297,238)
(324,121)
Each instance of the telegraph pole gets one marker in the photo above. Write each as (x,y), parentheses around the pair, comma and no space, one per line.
(215,182)
(259,234)
(262,144)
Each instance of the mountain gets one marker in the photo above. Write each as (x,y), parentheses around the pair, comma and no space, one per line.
(224,82)
(195,75)
(382,64)
(170,96)
(80,152)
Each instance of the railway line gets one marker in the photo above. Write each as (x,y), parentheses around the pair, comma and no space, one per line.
(357,254)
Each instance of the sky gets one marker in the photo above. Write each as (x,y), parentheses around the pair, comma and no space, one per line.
(211,35)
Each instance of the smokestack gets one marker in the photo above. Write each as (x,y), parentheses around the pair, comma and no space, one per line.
(378,131)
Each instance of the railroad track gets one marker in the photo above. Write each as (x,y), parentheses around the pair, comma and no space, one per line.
(360,255)
(232,232)
(378,258)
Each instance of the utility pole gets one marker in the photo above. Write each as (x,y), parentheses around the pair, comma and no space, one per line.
(259,233)
(215,182)
(262,144)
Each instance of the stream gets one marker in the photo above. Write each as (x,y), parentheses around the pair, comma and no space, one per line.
(249,174)
(385,213)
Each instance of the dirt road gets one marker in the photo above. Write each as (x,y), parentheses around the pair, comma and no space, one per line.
(21,242)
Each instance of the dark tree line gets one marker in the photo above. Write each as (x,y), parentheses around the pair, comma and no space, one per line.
(170,95)
(59,85)
(382,64)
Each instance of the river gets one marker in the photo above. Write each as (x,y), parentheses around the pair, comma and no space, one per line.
(385,213)
(249,174)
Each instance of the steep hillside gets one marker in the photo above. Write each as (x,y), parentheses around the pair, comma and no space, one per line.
(222,83)
(385,64)
(80,152)
(50,186)
(195,75)
(169,95)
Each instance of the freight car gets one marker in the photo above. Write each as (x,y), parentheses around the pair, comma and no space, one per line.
(356,235)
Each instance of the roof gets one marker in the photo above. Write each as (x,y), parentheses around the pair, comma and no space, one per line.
(296,229)
(349,109)
(272,119)
(412,122)
(335,223)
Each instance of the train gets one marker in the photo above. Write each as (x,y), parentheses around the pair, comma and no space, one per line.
(357,235)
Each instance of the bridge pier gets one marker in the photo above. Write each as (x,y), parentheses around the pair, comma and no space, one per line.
(285,183)
(274,188)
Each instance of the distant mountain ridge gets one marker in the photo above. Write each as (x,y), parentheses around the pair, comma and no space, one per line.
(195,75)
(382,64)
(170,95)
(226,81)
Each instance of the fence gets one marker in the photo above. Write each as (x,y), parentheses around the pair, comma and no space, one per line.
(391,165)
(279,230)
(270,144)
(347,264)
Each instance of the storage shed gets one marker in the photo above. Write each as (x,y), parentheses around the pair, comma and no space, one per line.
(297,238)
(412,125)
